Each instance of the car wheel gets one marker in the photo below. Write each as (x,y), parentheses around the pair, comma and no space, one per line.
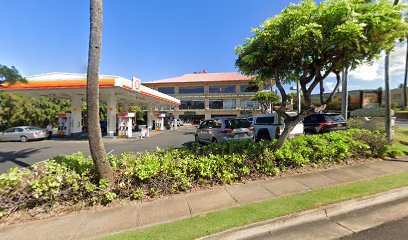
(23,139)
(264,136)
(214,140)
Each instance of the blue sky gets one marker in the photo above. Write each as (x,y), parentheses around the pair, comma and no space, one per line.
(148,39)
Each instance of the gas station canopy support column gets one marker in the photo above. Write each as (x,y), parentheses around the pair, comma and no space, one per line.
(111,115)
(113,89)
(76,115)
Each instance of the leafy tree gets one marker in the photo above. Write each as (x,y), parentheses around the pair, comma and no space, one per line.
(138,110)
(307,42)
(10,75)
(17,109)
(266,99)
(97,149)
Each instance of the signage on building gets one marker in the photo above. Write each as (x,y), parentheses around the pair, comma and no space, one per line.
(136,84)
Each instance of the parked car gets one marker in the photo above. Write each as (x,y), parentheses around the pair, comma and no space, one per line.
(268,126)
(251,120)
(23,134)
(324,122)
(180,122)
(223,129)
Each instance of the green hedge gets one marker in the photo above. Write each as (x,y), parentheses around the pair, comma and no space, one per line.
(68,180)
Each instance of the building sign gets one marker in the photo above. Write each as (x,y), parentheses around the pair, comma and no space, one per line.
(136,84)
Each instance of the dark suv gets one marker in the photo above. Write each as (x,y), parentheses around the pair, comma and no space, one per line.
(324,122)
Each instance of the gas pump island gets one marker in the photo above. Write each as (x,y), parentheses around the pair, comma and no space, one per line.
(113,90)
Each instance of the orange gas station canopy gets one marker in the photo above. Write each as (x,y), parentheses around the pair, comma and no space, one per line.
(66,85)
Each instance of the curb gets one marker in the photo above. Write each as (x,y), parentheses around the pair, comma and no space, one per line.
(312,215)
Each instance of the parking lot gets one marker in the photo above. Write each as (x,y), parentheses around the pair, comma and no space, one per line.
(17,154)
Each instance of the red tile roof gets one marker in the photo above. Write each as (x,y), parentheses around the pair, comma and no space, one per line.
(205,77)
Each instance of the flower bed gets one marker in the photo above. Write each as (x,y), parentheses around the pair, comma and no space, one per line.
(71,180)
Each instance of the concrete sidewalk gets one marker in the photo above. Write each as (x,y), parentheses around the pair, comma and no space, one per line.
(139,214)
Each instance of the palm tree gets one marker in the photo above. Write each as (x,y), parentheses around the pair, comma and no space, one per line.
(96,146)
(10,75)
(405,78)
(388,92)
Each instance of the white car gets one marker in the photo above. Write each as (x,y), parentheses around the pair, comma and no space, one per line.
(267,127)
(179,122)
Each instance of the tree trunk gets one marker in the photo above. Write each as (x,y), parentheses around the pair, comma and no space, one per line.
(405,79)
(387,97)
(289,126)
(321,92)
(388,93)
(96,146)
(344,99)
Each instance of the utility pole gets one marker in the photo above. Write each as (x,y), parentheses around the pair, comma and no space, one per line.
(299,101)
(344,88)
(388,92)
(387,97)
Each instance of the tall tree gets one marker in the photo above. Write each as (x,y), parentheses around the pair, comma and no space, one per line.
(388,91)
(307,42)
(96,146)
(406,78)
(267,99)
(10,75)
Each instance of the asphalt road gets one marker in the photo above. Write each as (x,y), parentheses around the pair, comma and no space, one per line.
(16,154)
(396,230)
(402,123)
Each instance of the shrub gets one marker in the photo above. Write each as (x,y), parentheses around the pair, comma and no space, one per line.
(67,180)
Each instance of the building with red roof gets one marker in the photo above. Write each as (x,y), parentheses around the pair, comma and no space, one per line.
(205,95)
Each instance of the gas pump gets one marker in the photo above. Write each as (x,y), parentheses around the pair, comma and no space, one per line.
(125,124)
(160,122)
(64,128)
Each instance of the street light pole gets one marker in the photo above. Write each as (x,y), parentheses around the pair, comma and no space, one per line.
(344,99)
(298,98)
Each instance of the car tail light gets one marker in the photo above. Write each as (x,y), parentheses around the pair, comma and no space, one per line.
(251,128)
(36,133)
(326,124)
(227,131)
(277,131)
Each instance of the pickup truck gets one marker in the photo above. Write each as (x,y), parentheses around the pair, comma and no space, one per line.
(268,126)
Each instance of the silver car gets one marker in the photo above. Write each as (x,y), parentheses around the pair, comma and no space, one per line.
(223,129)
(23,134)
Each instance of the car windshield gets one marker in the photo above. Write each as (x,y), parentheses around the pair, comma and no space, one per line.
(237,123)
(334,118)
(32,128)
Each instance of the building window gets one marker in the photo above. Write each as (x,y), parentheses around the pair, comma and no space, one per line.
(223,104)
(190,104)
(248,104)
(249,88)
(191,90)
(166,90)
(222,89)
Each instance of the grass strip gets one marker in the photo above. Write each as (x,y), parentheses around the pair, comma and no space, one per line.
(222,220)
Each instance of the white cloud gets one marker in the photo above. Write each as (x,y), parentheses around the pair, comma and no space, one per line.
(329,86)
(375,71)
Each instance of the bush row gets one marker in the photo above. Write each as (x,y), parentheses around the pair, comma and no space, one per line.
(67,180)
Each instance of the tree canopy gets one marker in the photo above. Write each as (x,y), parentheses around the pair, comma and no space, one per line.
(265,98)
(17,109)
(10,75)
(307,42)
